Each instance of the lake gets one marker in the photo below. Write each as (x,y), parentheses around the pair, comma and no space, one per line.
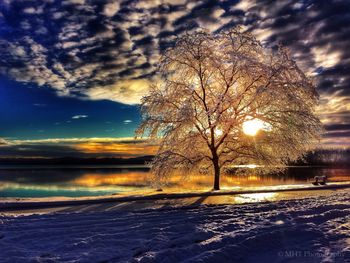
(77,181)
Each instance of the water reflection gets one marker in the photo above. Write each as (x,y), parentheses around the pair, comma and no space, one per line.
(250,198)
(86,181)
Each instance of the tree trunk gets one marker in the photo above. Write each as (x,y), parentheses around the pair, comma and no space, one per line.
(216,174)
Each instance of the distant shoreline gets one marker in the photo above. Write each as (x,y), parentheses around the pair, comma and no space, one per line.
(321,157)
(140,160)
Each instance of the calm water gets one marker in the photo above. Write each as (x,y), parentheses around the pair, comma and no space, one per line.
(74,181)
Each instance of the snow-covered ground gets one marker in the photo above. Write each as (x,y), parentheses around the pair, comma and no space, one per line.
(309,229)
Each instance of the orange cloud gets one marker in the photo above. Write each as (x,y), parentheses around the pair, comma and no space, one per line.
(126,149)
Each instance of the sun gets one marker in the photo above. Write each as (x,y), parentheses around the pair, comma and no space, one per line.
(251,127)
(218,132)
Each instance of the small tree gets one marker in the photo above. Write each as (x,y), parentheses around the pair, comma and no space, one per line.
(224,99)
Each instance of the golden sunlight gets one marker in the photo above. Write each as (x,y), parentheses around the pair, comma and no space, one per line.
(251,127)
(218,132)
(257,197)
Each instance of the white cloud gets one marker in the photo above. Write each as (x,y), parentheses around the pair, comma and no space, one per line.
(76,2)
(110,9)
(125,91)
(263,34)
(245,5)
(32,10)
(19,51)
(215,21)
(79,117)
(4,142)
(325,57)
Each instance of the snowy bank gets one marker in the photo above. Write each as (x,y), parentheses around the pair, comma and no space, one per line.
(7,204)
(315,229)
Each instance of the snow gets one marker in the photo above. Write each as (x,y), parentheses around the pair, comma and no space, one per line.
(307,229)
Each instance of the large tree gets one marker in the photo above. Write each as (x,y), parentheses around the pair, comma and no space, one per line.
(224,99)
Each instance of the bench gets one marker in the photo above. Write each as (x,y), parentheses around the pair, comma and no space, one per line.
(320,180)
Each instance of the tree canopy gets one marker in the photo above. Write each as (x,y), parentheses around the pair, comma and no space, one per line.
(224,99)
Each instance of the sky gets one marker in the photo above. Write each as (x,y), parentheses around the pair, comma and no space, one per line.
(72,72)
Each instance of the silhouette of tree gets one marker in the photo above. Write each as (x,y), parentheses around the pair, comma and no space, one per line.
(222,100)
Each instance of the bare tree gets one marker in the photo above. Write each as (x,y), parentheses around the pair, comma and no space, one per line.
(223,99)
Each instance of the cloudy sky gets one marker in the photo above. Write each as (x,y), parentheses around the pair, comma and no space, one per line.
(73,71)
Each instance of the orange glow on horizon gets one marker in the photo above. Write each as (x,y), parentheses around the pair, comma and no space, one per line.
(117,148)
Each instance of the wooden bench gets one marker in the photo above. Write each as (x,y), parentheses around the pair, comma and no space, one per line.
(320,180)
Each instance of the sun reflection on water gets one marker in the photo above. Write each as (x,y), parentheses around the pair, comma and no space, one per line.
(258,197)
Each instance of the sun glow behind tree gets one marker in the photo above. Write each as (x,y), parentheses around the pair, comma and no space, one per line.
(225,100)
(253,126)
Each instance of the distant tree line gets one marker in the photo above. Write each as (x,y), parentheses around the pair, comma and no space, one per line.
(327,157)
(76,161)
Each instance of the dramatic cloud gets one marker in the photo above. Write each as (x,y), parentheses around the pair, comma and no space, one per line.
(109,49)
